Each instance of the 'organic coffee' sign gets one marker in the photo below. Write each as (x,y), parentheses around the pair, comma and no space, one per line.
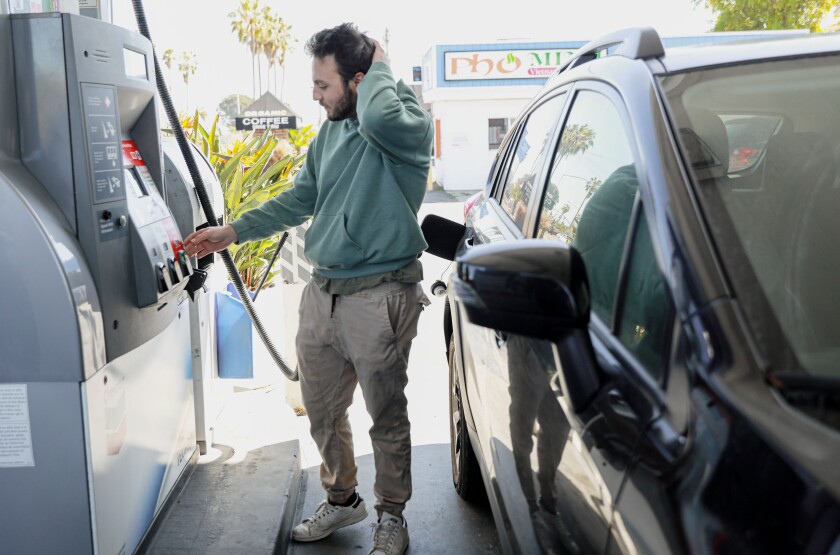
(265,122)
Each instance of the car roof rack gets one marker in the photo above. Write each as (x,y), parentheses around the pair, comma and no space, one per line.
(636,43)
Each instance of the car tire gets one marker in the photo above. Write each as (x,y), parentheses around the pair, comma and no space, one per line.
(466,474)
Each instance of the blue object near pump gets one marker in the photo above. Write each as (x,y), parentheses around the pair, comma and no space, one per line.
(233,336)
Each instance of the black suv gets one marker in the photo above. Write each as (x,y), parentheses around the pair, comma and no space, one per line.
(643,325)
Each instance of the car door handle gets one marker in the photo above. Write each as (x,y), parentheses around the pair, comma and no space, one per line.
(501,338)
(619,406)
(667,442)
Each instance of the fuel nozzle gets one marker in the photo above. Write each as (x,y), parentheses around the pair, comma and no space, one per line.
(196,282)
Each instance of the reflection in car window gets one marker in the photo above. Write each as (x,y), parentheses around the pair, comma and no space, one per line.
(524,165)
(748,134)
(643,325)
(590,193)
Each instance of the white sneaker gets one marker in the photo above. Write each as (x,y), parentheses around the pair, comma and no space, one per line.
(327,519)
(390,536)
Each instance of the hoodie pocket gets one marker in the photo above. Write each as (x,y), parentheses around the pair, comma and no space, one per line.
(328,246)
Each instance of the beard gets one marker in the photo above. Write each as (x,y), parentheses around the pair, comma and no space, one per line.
(345,107)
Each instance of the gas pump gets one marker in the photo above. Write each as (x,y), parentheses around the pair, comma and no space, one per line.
(96,392)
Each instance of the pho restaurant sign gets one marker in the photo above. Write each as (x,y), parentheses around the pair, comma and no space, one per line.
(267,113)
(503,64)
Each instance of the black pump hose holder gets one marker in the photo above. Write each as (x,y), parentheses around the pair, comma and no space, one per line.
(204,199)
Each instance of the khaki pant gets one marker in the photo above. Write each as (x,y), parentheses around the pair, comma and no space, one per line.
(364,337)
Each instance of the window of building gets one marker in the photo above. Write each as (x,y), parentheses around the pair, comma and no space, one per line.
(497,128)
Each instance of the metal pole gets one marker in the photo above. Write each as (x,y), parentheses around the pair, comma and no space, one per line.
(270,264)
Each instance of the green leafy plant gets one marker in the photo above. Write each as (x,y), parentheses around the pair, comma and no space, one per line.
(252,169)
(300,139)
(763,15)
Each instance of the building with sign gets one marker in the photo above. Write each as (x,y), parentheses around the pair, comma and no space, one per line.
(267,113)
(475,91)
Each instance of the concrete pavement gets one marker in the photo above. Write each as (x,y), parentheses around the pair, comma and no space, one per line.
(241,496)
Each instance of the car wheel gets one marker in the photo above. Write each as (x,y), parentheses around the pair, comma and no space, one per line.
(466,475)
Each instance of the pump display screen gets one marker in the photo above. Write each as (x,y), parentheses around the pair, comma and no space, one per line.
(135,64)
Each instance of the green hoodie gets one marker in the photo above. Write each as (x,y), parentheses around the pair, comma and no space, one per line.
(362,183)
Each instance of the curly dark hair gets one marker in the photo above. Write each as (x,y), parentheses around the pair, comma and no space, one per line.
(353,51)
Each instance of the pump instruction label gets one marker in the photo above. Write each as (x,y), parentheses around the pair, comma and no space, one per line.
(15,428)
(104,142)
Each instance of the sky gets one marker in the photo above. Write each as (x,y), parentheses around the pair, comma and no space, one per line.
(224,64)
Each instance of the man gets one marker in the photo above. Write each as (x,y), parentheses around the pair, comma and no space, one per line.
(363,183)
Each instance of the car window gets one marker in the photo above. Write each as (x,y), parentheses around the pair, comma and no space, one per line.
(590,193)
(524,160)
(643,322)
(775,229)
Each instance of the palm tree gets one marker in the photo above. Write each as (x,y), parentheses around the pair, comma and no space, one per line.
(247,23)
(168,58)
(270,46)
(262,38)
(277,44)
(185,62)
(188,65)
(577,139)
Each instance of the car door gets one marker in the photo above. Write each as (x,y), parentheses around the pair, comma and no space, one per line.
(570,464)
(503,218)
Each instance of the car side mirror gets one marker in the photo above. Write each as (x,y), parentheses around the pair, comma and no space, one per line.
(533,287)
(539,289)
(443,236)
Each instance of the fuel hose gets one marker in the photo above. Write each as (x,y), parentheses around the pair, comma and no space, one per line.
(203,197)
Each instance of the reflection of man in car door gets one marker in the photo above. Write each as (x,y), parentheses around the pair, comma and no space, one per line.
(602,231)
(532,401)
(600,239)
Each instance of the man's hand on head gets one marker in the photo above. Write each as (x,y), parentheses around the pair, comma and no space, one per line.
(379,54)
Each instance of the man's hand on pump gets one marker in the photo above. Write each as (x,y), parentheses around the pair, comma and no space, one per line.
(210,240)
